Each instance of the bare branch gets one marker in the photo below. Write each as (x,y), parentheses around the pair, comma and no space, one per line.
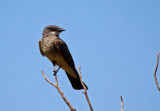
(156,71)
(121,103)
(85,90)
(61,93)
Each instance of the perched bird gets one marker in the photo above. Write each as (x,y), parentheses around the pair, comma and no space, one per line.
(56,50)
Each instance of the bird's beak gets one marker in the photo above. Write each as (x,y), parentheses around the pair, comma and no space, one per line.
(60,30)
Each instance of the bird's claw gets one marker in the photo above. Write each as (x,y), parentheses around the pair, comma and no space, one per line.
(55,73)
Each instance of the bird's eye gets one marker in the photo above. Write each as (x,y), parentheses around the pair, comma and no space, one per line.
(52,29)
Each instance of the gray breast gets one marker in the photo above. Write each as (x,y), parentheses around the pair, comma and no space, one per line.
(48,45)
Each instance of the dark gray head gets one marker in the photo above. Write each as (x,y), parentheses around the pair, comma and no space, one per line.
(52,30)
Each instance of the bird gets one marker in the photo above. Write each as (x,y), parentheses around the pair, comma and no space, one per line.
(56,50)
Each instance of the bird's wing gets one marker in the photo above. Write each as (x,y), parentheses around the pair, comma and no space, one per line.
(64,51)
(40,48)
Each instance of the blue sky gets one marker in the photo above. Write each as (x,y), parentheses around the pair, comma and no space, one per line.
(115,43)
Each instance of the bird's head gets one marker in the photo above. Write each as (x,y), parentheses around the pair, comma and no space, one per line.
(52,30)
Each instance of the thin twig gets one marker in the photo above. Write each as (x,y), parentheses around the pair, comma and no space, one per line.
(61,93)
(121,103)
(156,71)
(85,90)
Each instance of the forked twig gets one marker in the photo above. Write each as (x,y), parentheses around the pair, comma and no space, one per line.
(59,90)
(156,71)
(85,90)
(121,103)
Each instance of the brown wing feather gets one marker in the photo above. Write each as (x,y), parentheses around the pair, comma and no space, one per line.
(40,48)
(64,51)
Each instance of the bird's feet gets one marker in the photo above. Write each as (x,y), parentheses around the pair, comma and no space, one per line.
(55,73)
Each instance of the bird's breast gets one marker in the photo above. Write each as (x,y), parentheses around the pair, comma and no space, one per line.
(48,47)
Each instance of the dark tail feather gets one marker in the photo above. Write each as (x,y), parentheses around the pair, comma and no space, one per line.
(76,83)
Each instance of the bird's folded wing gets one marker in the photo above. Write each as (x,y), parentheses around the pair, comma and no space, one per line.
(63,50)
(40,48)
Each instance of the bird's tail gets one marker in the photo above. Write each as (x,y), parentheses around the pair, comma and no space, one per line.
(76,83)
